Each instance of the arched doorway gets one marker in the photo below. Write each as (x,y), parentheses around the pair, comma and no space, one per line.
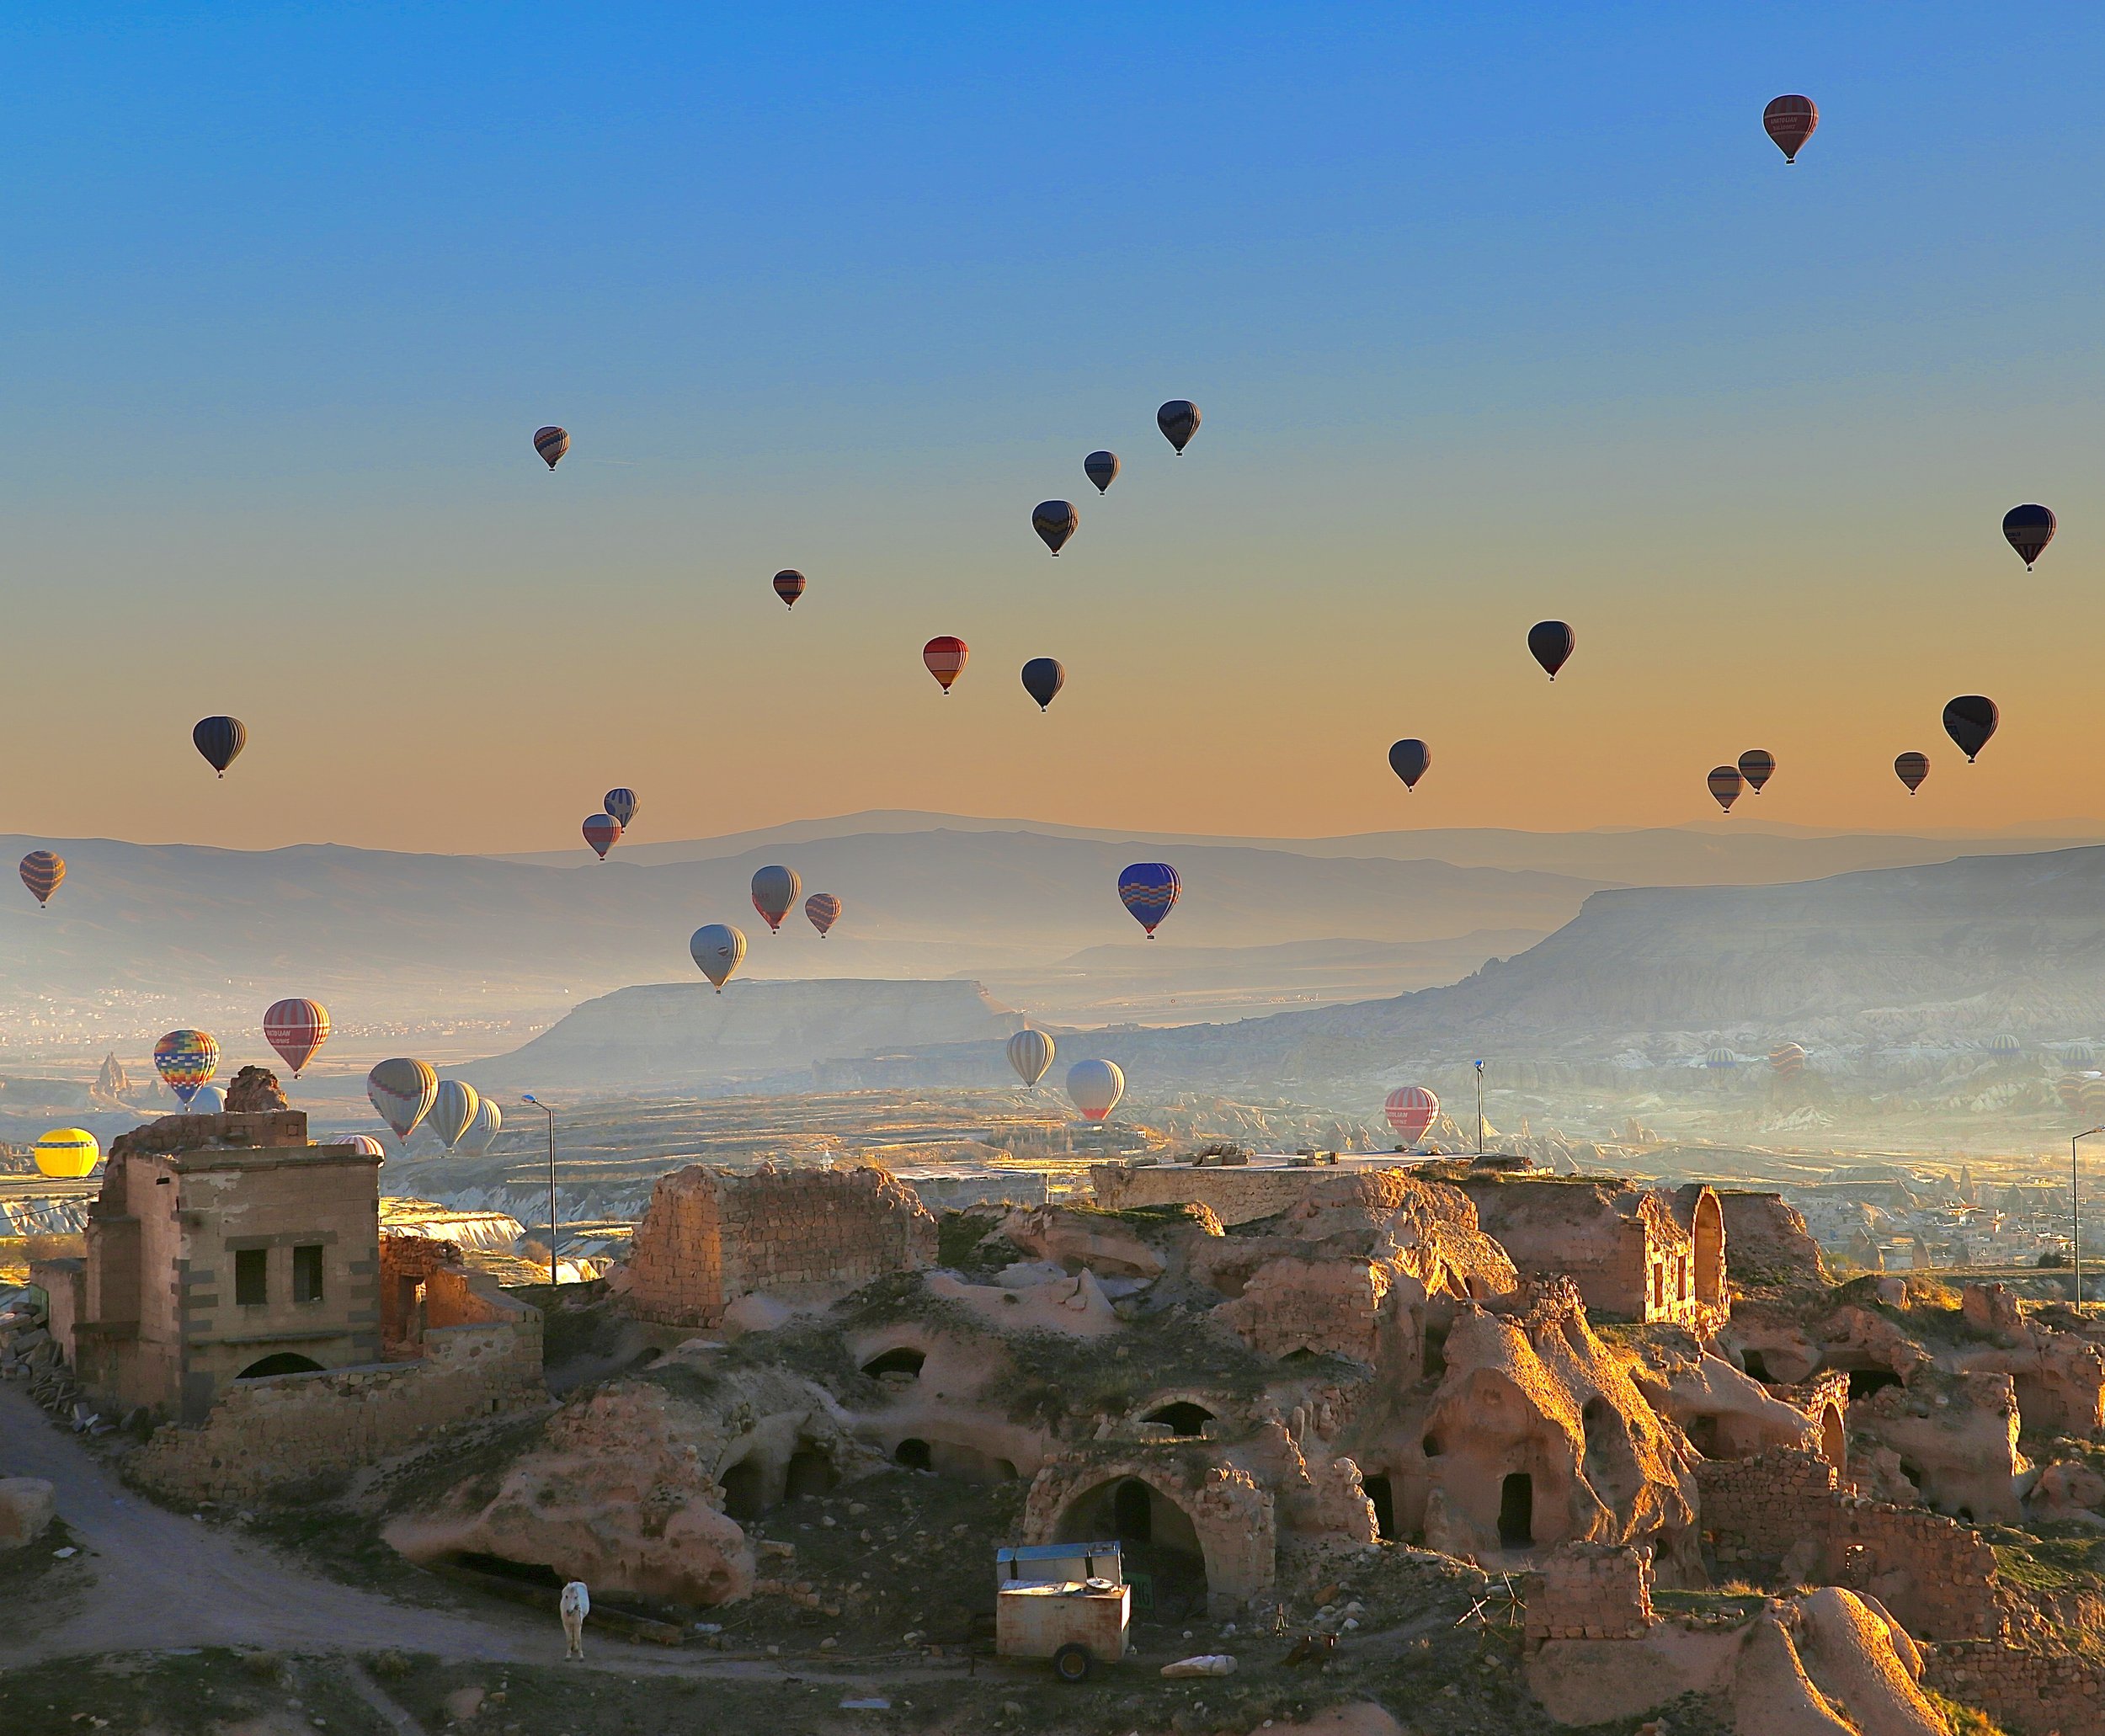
(744,1494)
(1382,1494)
(1516,1511)
(284,1362)
(1183,1419)
(913,1453)
(1161,1547)
(1834,1439)
(1710,1248)
(810,1473)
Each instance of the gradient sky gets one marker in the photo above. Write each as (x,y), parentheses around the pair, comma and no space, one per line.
(1494,313)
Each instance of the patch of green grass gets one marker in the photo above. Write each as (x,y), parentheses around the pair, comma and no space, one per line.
(2069,1561)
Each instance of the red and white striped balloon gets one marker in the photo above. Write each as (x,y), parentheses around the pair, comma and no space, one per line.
(1411,1109)
(295,1028)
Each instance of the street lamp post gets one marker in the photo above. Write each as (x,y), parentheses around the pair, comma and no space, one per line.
(2076,1217)
(1480,1109)
(551,1113)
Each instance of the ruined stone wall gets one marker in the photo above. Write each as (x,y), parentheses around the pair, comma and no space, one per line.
(265,1435)
(1329,1306)
(2030,1693)
(1937,1575)
(1237,1195)
(1590,1591)
(406,1262)
(711,1237)
(64,1283)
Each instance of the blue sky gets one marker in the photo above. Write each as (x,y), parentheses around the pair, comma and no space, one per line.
(1493,312)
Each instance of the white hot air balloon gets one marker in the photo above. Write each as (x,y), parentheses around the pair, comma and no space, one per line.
(1031,1053)
(207,1100)
(453,1110)
(404,1091)
(719,949)
(482,1131)
(1095,1086)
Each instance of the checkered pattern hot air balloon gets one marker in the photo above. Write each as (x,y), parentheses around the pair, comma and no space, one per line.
(1149,890)
(186,1059)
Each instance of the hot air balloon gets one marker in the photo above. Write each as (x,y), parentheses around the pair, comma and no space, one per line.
(823,910)
(221,740)
(1031,1053)
(1095,1088)
(1411,1109)
(2069,1088)
(1790,120)
(209,1100)
(602,832)
(621,805)
(1911,769)
(1179,420)
(1720,1059)
(719,949)
(945,656)
(453,1110)
(774,891)
(1043,679)
(2029,529)
(482,1131)
(2094,1101)
(41,872)
(185,1059)
(1410,760)
(1788,1059)
(1969,720)
(1726,783)
(2004,1044)
(1055,521)
(2079,1055)
(67,1154)
(295,1028)
(1149,890)
(552,443)
(789,586)
(1102,468)
(402,1090)
(1757,765)
(1551,643)
(361,1142)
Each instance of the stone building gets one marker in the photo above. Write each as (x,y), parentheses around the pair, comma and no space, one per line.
(711,1237)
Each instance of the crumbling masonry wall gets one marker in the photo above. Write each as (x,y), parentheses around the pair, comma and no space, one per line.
(1590,1591)
(2028,1692)
(711,1237)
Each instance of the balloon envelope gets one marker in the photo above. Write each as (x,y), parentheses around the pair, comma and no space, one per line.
(1031,1053)
(552,443)
(1179,420)
(719,949)
(295,1028)
(602,832)
(67,1154)
(1757,765)
(1551,643)
(1410,760)
(1969,720)
(1095,1088)
(1411,1109)
(1790,120)
(185,1059)
(41,872)
(482,1131)
(944,656)
(621,805)
(453,1110)
(1102,468)
(823,911)
(2029,529)
(1789,1059)
(402,1090)
(220,740)
(1726,783)
(1911,769)
(789,586)
(1043,679)
(774,891)
(1055,521)
(1149,890)
(364,1143)
(208,1100)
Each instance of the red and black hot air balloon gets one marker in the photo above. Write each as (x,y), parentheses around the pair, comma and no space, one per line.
(602,832)
(1726,783)
(1911,769)
(1790,120)
(2029,530)
(789,586)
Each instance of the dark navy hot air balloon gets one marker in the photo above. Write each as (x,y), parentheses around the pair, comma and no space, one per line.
(1410,760)
(789,586)
(622,804)
(1551,642)
(1790,120)
(1055,521)
(1102,468)
(2029,530)
(1179,420)
(1043,679)
(1911,769)
(221,740)
(1757,765)
(1149,890)
(1726,783)
(1969,720)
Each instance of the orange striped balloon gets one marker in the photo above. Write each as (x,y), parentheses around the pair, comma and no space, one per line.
(41,872)
(945,656)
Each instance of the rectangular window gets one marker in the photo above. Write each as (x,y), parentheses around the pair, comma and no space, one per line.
(252,1275)
(306,1273)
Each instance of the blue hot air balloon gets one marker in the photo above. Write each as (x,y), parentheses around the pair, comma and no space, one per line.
(621,804)
(1149,890)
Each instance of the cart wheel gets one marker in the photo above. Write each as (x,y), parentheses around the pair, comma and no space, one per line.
(1072,1662)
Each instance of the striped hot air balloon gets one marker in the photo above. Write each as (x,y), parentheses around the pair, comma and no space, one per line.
(602,832)
(1179,420)
(453,1110)
(1789,121)
(482,1131)
(2069,1088)
(1721,1059)
(1725,785)
(1789,1059)
(621,805)
(220,740)
(1031,1053)
(2093,1105)
(295,1028)
(789,586)
(67,1154)
(944,656)
(186,1059)
(363,1142)
(774,890)
(402,1090)
(1055,521)
(1102,468)
(41,872)
(2004,1044)
(719,950)
(1912,770)
(1411,1110)
(552,443)
(823,910)
(1149,890)
(2029,530)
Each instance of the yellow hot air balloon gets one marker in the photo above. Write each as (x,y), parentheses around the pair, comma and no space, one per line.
(68,1153)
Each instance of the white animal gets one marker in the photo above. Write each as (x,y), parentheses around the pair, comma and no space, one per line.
(577,1605)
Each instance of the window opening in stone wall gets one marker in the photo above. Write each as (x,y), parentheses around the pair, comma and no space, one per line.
(1185,1419)
(284,1362)
(1516,1511)
(742,1492)
(913,1454)
(252,1277)
(307,1273)
(811,1473)
(1864,1382)
(1383,1498)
